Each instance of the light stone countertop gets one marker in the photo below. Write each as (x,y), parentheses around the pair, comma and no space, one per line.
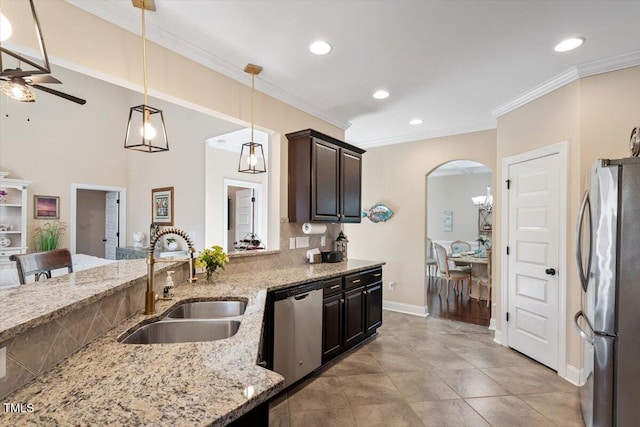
(203,383)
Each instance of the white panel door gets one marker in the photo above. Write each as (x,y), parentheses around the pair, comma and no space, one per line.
(243,213)
(111,224)
(533,290)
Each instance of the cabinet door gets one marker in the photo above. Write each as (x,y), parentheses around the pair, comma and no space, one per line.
(351,183)
(354,316)
(325,181)
(374,307)
(332,330)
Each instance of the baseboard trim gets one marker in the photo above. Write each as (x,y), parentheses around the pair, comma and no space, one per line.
(416,310)
(497,337)
(574,375)
(492,324)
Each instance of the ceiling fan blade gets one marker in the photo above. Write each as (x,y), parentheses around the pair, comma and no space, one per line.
(43,78)
(60,94)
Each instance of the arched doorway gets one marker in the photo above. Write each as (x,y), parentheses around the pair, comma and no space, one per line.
(457,211)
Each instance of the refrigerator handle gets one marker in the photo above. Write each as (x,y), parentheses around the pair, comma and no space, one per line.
(585,208)
(586,336)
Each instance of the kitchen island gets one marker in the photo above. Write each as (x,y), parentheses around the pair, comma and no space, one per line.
(203,383)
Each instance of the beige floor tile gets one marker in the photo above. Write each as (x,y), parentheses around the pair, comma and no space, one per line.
(369,389)
(340,417)
(486,339)
(439,357)
(357,364)
(493,357)
(471,383)
(280,404)
(508,411)
(318,394)
(422,386)
(386,415)
(387,344)
(400,362)
(562,408)
(447,413)
(529,379)
(462,342)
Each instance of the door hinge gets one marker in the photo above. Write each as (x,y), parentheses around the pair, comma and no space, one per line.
(118,201)
(507,316)
(118,234)
(508,184)
(508,250)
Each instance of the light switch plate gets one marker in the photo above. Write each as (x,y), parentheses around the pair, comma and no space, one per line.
(302,242)
(3,362)
(292,243)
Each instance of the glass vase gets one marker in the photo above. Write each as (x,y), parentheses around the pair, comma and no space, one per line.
(211,276)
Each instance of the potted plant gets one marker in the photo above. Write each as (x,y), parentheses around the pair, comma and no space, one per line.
(171,243)
(483,244)
(210,259)
(47,237)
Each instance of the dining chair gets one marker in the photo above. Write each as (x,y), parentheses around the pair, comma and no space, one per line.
(432,263)
(41,263)
(449,274)
(484,278)
(460,247)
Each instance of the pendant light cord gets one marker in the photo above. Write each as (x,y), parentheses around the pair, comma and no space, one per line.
(253,91)
(144,60)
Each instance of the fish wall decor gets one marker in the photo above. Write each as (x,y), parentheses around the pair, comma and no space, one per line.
(378,213)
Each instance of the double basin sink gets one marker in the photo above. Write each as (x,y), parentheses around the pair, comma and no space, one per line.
(192,322)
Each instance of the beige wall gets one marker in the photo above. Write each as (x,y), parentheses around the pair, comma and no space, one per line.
(595,116)
(100,48)
(395,175)
(453,193)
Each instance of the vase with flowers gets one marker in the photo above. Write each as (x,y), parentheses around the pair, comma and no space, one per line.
(211,259)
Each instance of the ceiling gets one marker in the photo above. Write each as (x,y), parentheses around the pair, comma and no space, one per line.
(449,63)
(459,167)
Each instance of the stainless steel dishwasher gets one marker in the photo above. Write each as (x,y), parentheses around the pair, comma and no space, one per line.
(297,334)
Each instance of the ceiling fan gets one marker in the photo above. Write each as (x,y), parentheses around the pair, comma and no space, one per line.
(19,82)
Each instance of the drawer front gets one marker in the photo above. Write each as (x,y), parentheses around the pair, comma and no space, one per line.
(363,278)
(8,252)
(332,286)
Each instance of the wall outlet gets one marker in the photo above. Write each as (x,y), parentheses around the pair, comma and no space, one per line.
(302,242)
(292,243)
(323,241)
(392,286)
(3,362)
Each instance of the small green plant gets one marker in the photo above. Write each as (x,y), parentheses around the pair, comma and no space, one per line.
(170,240)
(47,236)
(212,258)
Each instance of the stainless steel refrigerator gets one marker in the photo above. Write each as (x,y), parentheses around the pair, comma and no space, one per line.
(608,256)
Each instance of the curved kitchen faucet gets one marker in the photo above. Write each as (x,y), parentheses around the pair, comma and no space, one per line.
(150,296)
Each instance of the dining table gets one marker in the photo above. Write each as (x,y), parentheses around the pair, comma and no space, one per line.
(478,265)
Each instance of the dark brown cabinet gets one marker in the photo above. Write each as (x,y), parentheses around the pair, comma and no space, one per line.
(352,311)
(325,178)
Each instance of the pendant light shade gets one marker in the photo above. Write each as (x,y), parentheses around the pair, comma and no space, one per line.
(146,130)
(252,158)
(38,66)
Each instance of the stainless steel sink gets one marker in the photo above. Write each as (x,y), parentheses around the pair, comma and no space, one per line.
(180,331)
(208,310)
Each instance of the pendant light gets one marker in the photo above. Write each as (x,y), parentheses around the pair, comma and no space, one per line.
(252,155)
(146,130)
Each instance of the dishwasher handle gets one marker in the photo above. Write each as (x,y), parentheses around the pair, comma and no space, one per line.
(300,297)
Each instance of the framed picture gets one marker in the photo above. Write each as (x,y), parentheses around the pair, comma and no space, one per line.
(447,221)
(46,207)
(162,205)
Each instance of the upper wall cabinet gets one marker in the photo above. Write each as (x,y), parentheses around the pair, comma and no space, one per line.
(325,178)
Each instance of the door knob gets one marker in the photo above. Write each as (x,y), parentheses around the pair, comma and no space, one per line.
(104,240)
(550,271)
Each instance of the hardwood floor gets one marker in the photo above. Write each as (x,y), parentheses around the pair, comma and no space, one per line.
(458,307)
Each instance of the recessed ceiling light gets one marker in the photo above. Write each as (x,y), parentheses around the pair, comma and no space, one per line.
(416,122)
(381,94)
(320,47)
(569,44)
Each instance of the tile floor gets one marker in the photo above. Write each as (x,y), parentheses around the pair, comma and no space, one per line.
(429,372)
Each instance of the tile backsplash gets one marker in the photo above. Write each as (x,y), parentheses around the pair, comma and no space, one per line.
(285,256)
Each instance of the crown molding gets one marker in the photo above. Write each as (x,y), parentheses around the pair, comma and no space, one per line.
(438,133)
(572,74)
(129,21)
